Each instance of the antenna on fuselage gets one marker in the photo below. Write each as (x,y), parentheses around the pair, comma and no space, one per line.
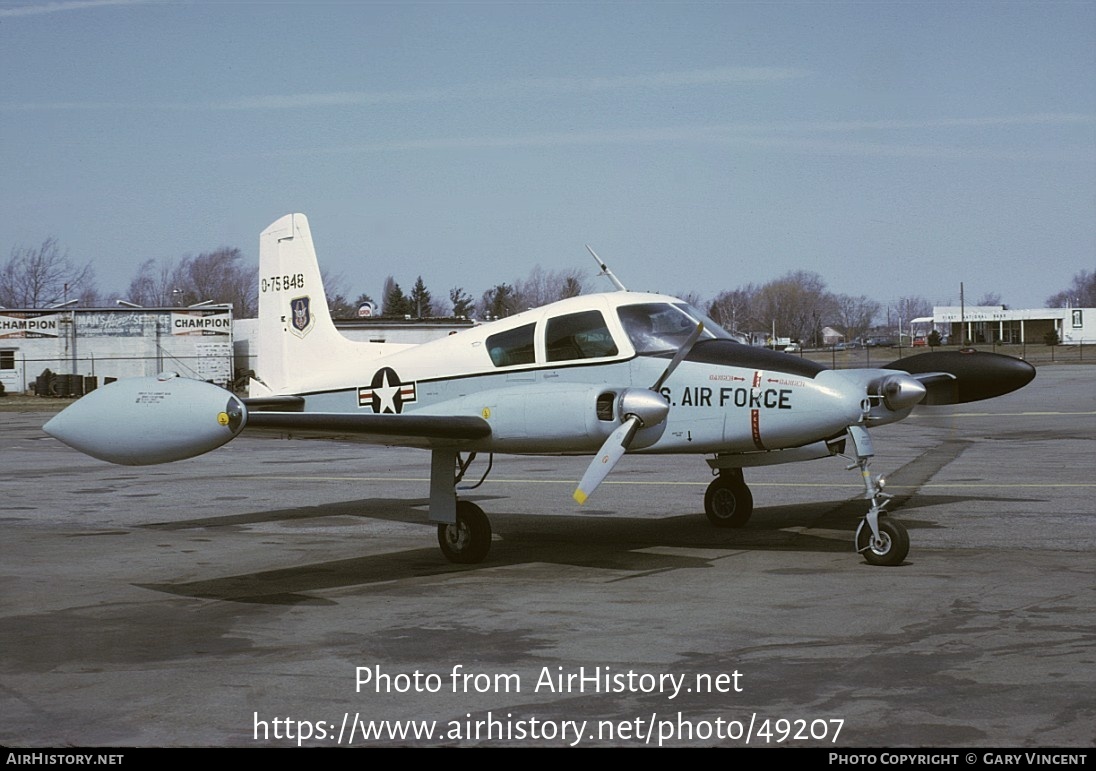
(605,270)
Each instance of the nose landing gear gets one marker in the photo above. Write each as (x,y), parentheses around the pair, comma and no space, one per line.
(882,540)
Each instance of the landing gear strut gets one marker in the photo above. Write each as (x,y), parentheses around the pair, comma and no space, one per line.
(464,532)
(728,501)
(882,540)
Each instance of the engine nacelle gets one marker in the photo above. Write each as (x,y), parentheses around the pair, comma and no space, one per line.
(543,418)
(146,420)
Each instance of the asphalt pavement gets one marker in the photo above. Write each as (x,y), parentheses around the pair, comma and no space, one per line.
(275,593)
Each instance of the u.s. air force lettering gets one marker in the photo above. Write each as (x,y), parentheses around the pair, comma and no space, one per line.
(741,396)
(386,393)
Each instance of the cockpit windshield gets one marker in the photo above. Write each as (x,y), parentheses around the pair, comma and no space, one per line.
(657,327)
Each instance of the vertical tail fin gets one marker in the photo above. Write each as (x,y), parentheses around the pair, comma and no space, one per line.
(297,340)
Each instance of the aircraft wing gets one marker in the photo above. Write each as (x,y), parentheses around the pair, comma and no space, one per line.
(147,420)
(414,430)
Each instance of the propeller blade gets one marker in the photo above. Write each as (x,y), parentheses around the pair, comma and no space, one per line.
(682,352)
(612,450)
(617,444)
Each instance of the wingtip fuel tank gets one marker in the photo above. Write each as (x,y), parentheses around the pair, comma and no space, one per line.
(148,420)
(975,375)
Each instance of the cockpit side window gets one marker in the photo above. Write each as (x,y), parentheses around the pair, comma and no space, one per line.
(514,346)
(656,327)
(578,336)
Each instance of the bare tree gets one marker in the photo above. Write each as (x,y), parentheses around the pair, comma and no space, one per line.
(541,287)
(219,276)
(152,284)
(572,285)
(1080,294)
(912,307)
(692,297)
(734,309)
(856,314)
(34,277)
(795,305)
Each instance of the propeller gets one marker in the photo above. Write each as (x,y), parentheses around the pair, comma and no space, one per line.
(640,407)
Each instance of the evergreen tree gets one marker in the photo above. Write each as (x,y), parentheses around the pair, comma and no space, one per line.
(500,301)
(463,304)
(395,301)
(419,301)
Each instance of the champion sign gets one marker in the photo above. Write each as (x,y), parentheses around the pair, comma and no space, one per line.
(29,325)
(198,324)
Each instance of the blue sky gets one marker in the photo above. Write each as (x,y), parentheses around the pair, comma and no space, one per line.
(895,148)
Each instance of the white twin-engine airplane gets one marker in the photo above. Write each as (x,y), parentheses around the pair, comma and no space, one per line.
(600,374)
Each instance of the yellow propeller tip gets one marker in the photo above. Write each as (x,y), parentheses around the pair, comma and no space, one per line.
(580,497)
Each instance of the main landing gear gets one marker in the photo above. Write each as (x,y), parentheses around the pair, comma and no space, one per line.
(464,531)
(728,501)
(468,540)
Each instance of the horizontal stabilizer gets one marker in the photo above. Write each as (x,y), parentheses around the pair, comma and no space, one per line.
(957,377)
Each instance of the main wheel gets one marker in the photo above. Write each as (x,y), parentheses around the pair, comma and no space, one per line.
(468,541)
(728,502)
(890,549)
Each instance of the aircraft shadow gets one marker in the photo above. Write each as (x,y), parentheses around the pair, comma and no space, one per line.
(598,540)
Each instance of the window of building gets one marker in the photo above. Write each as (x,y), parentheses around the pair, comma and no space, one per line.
(7,359)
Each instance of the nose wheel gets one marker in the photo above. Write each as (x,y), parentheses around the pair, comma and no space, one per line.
(882,540)
(889,548)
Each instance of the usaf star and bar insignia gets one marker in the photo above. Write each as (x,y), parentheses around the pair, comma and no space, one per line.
(386,394)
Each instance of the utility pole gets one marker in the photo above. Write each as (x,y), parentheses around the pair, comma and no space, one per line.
(962,318)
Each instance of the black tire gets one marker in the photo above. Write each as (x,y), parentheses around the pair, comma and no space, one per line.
(728,502)
(893,547)
(468,541)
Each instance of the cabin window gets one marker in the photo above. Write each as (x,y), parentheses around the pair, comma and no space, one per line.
(657,327)
(514,346)
(578,336)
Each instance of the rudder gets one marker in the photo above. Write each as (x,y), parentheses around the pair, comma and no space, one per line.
(297,340)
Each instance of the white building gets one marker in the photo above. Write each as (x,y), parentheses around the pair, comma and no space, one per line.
(998,324)
(91,345)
